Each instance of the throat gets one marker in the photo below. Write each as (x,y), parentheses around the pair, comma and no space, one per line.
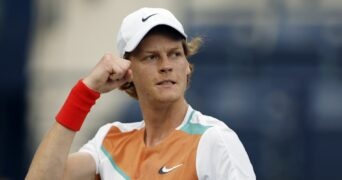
(153,138)
(161,124)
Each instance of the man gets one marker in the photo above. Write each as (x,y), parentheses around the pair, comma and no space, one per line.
(173,141)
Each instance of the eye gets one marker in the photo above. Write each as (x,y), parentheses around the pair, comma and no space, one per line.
(151,57)
(176,54)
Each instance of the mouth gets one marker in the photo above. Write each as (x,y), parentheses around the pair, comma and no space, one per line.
(166,82)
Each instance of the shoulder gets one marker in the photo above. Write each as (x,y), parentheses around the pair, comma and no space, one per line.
(199,124)
(116,128)
(221,148)
(127,127)
(119,127)
(216,131)
(93,146)
(218,136)
(209,121)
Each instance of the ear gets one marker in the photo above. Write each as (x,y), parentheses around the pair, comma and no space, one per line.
(188,69)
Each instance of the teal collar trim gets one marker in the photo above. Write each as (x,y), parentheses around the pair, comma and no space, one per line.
(193,128)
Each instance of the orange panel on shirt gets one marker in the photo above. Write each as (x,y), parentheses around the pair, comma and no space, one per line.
(130,154)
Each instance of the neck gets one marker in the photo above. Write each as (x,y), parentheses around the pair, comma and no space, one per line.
(161,120)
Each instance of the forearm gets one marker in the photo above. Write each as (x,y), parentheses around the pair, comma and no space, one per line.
(52,154)
(51,157)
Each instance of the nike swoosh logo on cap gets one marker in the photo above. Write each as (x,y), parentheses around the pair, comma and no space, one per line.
(146,18)
(164,170)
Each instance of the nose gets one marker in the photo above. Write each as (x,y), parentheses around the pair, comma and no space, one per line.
(165,65)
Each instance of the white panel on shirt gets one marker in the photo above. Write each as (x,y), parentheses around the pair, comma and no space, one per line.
(220,153)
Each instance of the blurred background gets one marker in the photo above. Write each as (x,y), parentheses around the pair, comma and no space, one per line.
(270,69)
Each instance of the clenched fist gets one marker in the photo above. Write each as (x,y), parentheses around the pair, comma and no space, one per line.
(110,73)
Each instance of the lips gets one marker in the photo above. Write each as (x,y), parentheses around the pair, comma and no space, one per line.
(166,82)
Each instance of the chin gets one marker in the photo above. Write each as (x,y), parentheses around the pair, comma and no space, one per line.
(168,98)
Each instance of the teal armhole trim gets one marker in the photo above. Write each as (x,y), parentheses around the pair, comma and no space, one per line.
(116,167)
(192,128)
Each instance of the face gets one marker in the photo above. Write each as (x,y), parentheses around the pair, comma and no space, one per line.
(160,69)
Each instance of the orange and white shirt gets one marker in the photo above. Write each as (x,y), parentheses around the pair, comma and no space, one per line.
(202,147)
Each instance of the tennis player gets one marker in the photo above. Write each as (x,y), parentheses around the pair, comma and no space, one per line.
(173,141)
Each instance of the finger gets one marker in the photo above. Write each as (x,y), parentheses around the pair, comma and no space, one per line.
(117,72)
(120,68)
(124,64)
(126,78)
(119,82)
(116,77)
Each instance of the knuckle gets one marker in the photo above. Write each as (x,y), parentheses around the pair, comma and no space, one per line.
(127,63)
(107,57)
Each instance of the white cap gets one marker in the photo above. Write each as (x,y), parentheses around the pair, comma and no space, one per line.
(137,24)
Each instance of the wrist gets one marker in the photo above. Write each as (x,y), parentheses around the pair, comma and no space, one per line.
(91,84)
(76,107)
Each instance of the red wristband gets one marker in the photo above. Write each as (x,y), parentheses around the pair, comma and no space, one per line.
(77,106)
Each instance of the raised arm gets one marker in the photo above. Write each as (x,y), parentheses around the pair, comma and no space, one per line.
(52,159)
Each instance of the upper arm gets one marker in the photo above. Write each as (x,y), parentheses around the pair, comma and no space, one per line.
(84,163)
(80,165)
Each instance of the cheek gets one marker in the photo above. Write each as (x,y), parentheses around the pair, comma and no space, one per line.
(183,74)
(136,71)
(142,77)
(136,75)
(185,68)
